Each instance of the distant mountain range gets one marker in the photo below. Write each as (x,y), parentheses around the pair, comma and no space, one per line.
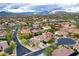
(3,13)
(11,9)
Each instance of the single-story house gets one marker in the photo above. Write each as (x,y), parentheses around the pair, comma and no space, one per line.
(3,34)
(62,32)
(3,45)
(25,29)
(47,35)
(62,52)
(46,27)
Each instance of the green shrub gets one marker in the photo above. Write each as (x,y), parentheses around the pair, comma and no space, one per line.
(11,48)
(8,50)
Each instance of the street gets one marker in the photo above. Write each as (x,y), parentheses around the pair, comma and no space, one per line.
(20,50)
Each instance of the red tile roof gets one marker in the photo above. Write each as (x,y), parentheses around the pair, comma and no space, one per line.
(62,52)
(3,33)
(4,44)
(47,35)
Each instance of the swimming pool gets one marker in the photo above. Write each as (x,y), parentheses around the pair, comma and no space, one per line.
(65,41)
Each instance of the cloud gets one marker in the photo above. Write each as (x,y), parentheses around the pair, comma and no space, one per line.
(41,1)
(20,10)
(72,9)
(28,7)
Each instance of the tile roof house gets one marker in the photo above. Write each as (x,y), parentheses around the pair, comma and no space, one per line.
(42,37)
(46,27)
(38,38)
(61,32)
(47,35)
(76,46)
(2,27)
(23,23)
(35,26)
(3,34)
(74,30)
(35,30)
(3,45)
(11,24)
(25,29)
(62,52)
(65,24)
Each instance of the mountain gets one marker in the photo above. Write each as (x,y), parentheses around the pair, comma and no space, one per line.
(12,9)
(30,9)
(3,13)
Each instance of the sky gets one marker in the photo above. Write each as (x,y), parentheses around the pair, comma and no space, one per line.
(41,1)
(33,5)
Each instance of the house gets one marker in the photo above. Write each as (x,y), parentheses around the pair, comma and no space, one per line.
(11,24)
(62,52)
(65,24)
(45,20)
(74,31)
(59,21)
(23,23)
(35,30)
(47,35)
(35,26)
(25,29)
(76,47)
(3,34)
(3,45)
(2,27)
(46,27)
(37,41)
(38,38)
(62,32)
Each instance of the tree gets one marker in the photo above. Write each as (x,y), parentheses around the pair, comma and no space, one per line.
(51,30)
(28,35)
(24,41)
(77,22)
(25,36)
(8,50)
(37,33)
(11,48)
(12,45)
(9,37)
(51,40)
(76,35)
(48,51)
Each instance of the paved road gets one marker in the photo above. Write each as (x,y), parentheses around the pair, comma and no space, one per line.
(21,50)
(74,54)
(36,53)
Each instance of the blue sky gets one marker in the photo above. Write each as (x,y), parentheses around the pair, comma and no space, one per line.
(18,6)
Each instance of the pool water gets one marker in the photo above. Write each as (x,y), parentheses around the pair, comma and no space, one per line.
(65,41)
